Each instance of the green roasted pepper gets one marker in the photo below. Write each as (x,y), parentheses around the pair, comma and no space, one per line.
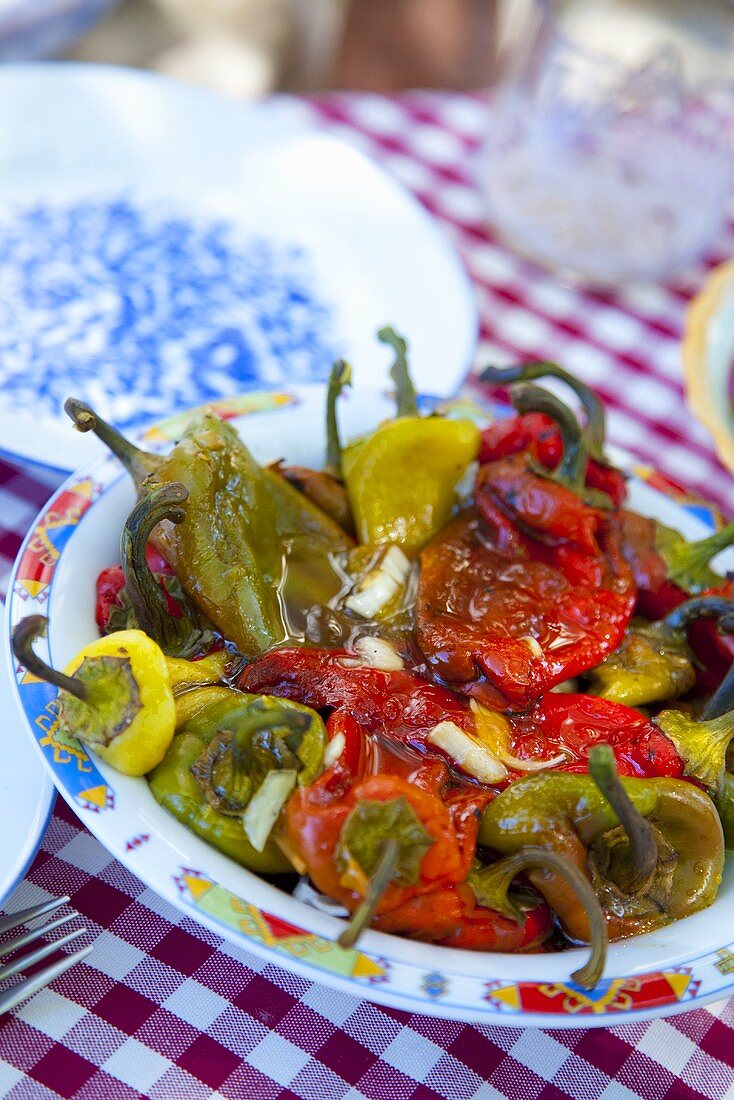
(652,848)
(250,544)
(401,478)
(231,767)
(706,747)
(653,663)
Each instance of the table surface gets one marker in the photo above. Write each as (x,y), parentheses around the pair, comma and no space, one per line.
(163,1007)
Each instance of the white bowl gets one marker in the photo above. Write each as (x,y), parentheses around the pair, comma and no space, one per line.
(74,537)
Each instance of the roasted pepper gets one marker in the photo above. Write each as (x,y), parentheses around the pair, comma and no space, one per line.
(232,766)
(706,748)
(251,543)
(561,730)
(115,695)
(652,848)
(528,588)
(404,709)
(390,838)
(666,567)
(537,433)
(401,479)
(156,603)
(654,663)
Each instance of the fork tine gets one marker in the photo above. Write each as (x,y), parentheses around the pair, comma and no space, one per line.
(26,989)
(39,954)
(23,915)
(33,934)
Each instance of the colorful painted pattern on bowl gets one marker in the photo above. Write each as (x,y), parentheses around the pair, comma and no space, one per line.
(390,977)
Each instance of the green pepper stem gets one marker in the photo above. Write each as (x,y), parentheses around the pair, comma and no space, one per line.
(138,463)
(591,404)
(644,849)
(572,469)
(722,701)
(404,388)
(25,634)
(341,376)
(545,859)
(686,558)
(701,607)
(146,595)
(379,883)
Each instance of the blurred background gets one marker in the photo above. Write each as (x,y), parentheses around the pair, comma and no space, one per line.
(250,48)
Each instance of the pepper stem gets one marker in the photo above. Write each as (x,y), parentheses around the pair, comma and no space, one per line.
(362,917)
(722,701)
(545,859)
(686,559)
(590,402)
(701,607)
(572,469)
(25,634)
(643,847)
(341,376)
(404,388)
(146,595)
(138,463)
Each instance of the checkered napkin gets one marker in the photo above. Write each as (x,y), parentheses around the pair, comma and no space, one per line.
(163,1007)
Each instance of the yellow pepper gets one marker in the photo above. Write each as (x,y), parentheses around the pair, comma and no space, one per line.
(401,479)
(122,696)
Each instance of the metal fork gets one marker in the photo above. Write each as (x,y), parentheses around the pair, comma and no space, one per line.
(25,989)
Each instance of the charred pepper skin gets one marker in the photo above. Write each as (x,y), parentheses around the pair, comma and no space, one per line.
(529,587)
(505,617)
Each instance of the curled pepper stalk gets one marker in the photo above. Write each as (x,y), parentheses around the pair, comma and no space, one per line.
(640,857)
(595,432)
(115,696)
(571,470)
(654,663)
(492,884)
(139,464)
(177,637)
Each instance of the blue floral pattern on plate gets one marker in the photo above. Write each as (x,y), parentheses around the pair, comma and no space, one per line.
(145,311)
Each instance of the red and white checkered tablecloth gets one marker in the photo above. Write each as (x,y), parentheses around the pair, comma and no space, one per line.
(166,1009)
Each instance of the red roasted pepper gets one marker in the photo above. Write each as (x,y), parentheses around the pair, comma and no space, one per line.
(400,705)
(573,724)
(435,823)
(537,434)
(402,708)
(528,589)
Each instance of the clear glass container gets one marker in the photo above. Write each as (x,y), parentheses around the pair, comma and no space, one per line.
(602,170)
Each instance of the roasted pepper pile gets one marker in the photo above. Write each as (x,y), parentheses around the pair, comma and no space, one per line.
(452,680)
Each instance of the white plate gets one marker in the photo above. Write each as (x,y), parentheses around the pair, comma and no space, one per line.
(678,967)
(26,792)
(161,247)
